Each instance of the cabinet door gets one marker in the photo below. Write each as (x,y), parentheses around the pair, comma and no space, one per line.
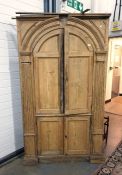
(50,136)
(47,73)
(77,135)
(78,73)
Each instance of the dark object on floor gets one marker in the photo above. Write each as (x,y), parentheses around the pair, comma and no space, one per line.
(106,126)
(113,164)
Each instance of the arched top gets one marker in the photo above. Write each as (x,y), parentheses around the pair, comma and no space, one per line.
(88,43)
(87,31)
(48,42)
(90,30)
(79,43)
(39,28)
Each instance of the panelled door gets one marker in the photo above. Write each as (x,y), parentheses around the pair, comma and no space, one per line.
(78,92)
(50,136)
(48,82)
(77,135)
(78,73)
(63,84)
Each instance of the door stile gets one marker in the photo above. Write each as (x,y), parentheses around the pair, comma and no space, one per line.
(90,81)
(66,61)
(66,48)
(61,50)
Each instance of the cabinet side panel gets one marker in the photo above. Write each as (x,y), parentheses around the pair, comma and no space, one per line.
(26,70)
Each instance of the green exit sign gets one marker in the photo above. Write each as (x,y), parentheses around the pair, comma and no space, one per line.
(75,4)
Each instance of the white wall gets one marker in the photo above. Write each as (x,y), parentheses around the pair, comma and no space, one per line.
(87,4)
(112,43)
(104,6)
(107,6)
(11,135)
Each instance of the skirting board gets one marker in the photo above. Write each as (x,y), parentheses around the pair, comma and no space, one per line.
(7,158)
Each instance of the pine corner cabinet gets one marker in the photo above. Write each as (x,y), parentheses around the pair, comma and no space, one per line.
(63,71)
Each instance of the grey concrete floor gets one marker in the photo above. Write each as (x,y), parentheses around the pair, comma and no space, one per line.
(16,167)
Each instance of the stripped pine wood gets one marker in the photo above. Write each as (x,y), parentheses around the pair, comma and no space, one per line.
(63,68)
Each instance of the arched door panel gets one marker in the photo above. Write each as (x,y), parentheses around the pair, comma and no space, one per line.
(78,73)
(47,74)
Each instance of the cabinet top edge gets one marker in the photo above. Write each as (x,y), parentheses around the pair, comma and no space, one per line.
(32,15)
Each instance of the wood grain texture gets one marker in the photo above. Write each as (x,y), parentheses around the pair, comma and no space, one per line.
(28,109)
(98,103)
(63,68)
(50,136)
(77,135)
(78,74)
(47,76)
